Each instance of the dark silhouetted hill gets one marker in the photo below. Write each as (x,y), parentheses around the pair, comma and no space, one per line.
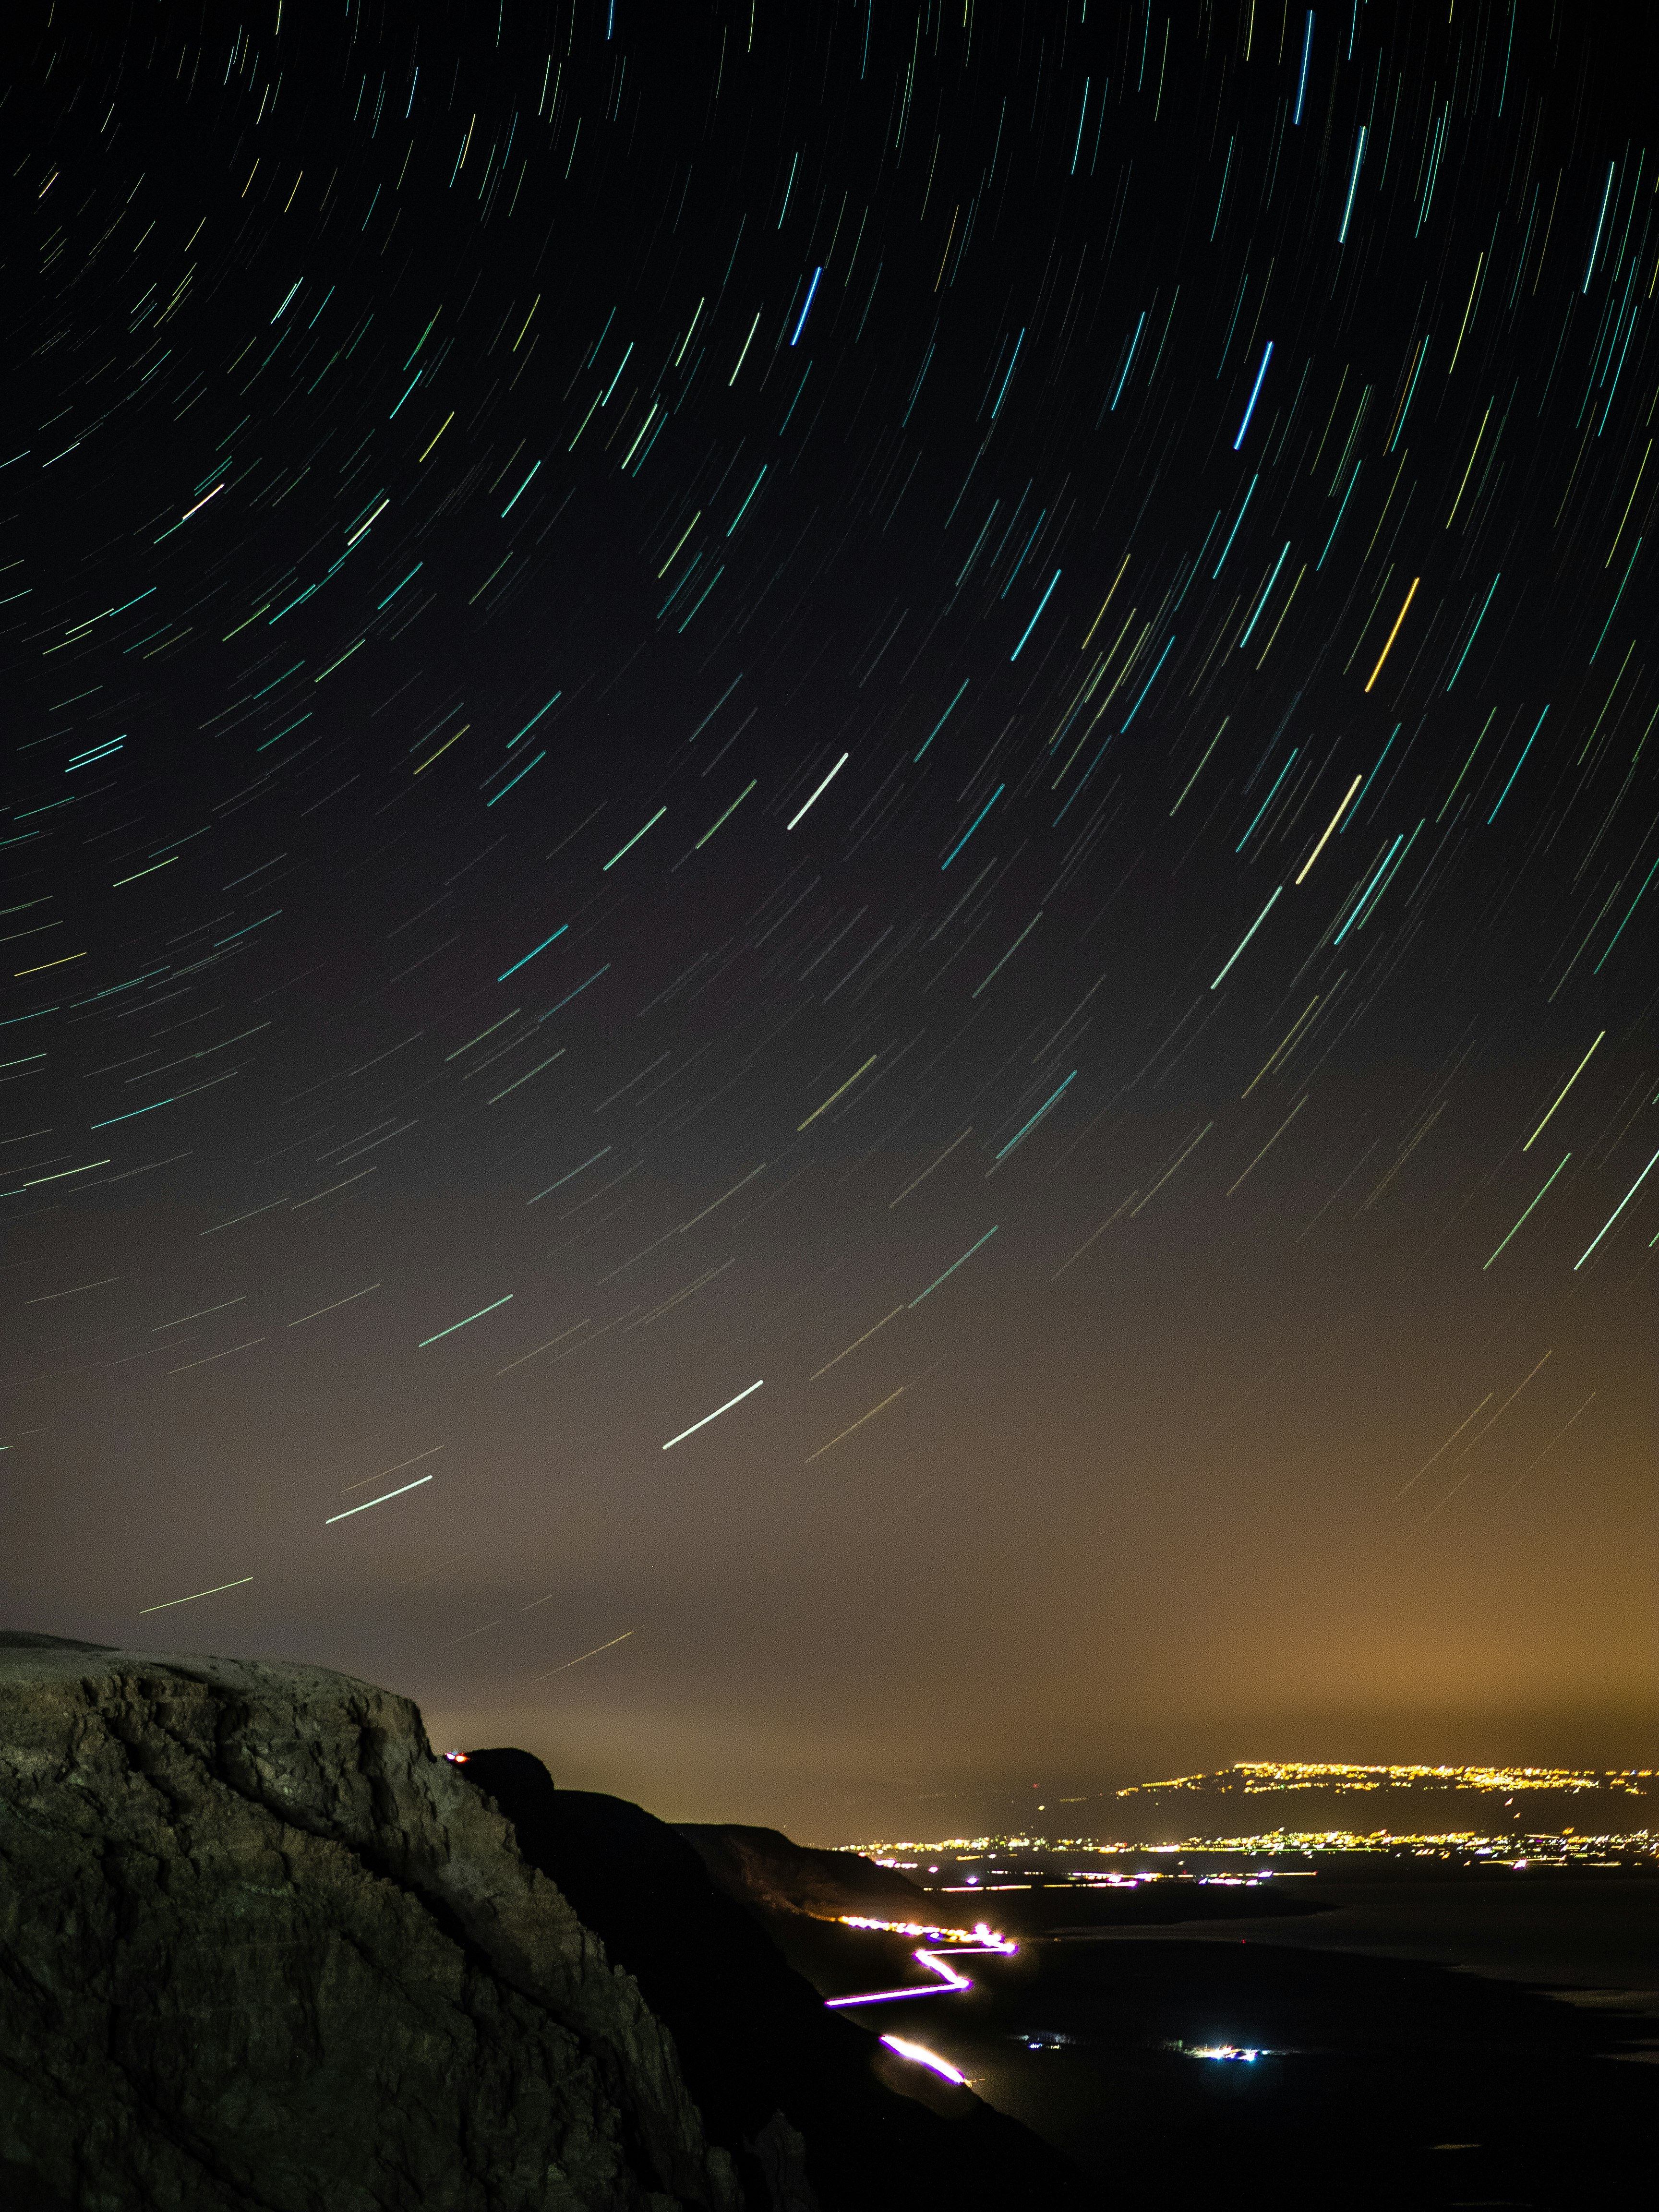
(753,2036)
(761,1867)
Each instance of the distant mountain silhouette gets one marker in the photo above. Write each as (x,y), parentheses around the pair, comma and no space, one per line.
(763,1868)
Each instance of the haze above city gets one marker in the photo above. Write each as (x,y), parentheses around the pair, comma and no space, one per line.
(831,850)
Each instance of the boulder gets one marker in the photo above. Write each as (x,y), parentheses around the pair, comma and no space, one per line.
(260,1947)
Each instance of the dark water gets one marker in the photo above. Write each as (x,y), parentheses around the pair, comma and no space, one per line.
(1406,2055)
(1576,1931)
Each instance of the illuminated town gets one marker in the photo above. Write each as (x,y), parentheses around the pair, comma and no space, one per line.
(1490,1830)
(1254,1776)
(1640,1847)
(1478,1792)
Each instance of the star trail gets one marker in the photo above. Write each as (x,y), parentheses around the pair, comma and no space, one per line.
(949,704)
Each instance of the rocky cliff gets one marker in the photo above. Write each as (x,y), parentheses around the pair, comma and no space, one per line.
(260,1949)
(259,1946)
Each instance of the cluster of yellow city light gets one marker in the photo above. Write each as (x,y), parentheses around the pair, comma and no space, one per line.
(1537,1850)
(979,1938)
(959,1847)
(1257,1774)
(1568,1846)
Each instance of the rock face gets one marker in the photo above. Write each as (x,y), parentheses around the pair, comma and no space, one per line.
(260,1947)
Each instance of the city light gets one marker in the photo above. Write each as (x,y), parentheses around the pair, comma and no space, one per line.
(1253,1775)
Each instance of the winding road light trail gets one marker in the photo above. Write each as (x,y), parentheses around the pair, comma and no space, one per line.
(918,2056)
(933,1963)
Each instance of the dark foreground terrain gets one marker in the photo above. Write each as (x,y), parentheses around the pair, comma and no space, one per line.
(260,1951)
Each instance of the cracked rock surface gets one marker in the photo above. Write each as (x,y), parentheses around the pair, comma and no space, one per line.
(259,1948)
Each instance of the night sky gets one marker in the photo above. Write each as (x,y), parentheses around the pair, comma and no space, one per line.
(832,843)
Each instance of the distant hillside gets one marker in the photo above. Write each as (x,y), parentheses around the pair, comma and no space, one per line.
(1301,1797)
(761,1868)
